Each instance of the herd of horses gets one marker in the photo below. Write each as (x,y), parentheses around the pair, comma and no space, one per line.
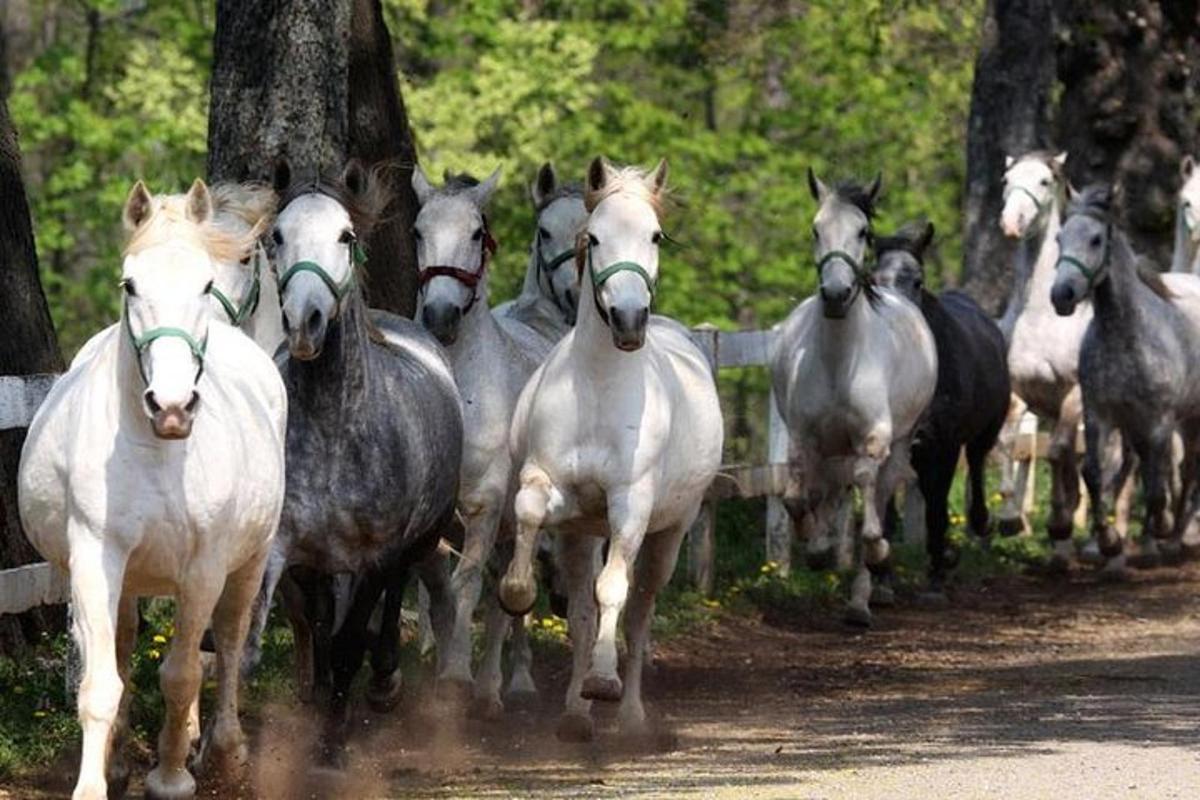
(250,429)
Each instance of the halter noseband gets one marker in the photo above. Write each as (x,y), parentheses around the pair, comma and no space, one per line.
(861,276)
(547,268)
(601,277)
(243,310)
(339,290)
(142,343)
(1091,273)
(465,276)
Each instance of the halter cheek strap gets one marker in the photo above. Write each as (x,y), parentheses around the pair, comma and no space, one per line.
(601,277)
(141,343)
(1091,273)
(245,309)
(464,276)
(547,268)
(339,290)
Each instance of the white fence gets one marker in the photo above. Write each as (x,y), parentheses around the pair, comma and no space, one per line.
(29,586)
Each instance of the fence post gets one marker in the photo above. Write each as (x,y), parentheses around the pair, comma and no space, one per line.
(779,522)
(702,536)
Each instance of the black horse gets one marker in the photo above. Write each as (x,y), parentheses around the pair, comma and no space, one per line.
(971,400)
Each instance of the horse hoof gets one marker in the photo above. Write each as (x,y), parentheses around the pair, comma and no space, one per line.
(117,778)
(857,617)
(599,687)
(576,728)
(1089,552)
(883,596)
(176,784)
(1010,527)
(516,597)
(820,560)
(384,695)
(486,709)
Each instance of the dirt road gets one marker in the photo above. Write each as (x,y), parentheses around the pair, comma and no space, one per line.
(1029,688)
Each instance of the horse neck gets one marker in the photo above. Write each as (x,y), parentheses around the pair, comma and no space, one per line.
(838,337)
(265,325)
(1116,298)
(532,285)
(343,368)
(1185,255)
(1036,259)
(593,339)
(478,324)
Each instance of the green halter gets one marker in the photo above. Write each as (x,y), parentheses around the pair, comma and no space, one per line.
(339,290)
(545,267)
(861,276)
(601,277)
(242,311)
(1038,204)
(142,343)
(1091,273)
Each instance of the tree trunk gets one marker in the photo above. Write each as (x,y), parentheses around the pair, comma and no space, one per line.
(27,345)
(1010,114)
(1127,115)
(314,80)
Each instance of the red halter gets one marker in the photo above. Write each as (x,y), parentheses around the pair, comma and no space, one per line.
(464,276)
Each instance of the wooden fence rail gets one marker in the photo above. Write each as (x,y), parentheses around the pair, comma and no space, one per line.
(26,587)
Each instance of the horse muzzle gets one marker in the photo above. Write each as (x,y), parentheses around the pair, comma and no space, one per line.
(172,421)
(835,303)
(442,320)
(1062,296)
(628,327)
(306,340)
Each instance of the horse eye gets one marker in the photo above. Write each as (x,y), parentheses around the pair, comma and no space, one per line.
(592,240)
(208,287)
(543,233)
(862,234)
(816,233)
(477,235)
(416,232)
(656,237)
(277,236)
(246,261)
(346,238)
(1097,241)
(1045,181)
(129,288)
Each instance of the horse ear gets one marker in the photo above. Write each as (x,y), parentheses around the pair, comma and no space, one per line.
(281,175)
(876,185)
(483,192)
(138,206)
(816,188)
(1072,194)
(1187,167)
(421,184)
(544,184)
(354,175)
(925,239)
(1060,159)
(597,174)
(198,205)
(1008,162)
(660,177)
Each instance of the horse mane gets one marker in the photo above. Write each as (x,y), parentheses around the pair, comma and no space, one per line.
(252,203)
(168,220)
(1049,158)
(571,189)
(856,194)
(627,180)
(1096,201)
(907,238)
(365,207)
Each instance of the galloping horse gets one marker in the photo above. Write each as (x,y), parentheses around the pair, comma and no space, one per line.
(618,435)
(970,403)
(492,358)
(373,439)
(549,298)
(1043,350)
(1139,365)
(853,369)
(134,478)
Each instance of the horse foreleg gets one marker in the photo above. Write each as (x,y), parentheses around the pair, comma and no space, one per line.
(521,687)
(628,516)
(346,653)
(117,773)
(179,679)
(252,654)
(466,585)
(533,503)
(96,577)
(579,555)
(223,749)
(935,474)
(1012,477)
(1064,469)
(655,565)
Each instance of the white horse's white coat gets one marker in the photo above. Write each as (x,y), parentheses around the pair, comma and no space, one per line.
(616,443)
(492,358)
(850,388)
(1043,351)
(1186,256)
(130,514)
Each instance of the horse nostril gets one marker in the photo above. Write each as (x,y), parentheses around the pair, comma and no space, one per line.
(192,402)
(151,402)
(313,324)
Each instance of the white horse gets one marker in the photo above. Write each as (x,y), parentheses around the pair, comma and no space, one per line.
(492,358)
(1043,350)
(853,370)
(618,435)
(156,467)
(549,298)
(1186,256)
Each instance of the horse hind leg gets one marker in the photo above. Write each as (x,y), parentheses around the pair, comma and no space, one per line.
(117,773)
(179,679)
(223,748)
(96,578)
(579,556)
(466,585)
(935,473)
(1064,472)
(1013,473)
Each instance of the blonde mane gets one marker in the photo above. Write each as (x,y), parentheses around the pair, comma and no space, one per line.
(627,180)
(169,221)
(252,203)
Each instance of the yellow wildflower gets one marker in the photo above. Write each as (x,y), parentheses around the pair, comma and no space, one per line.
(153,654)
(159,639)
(39,713)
